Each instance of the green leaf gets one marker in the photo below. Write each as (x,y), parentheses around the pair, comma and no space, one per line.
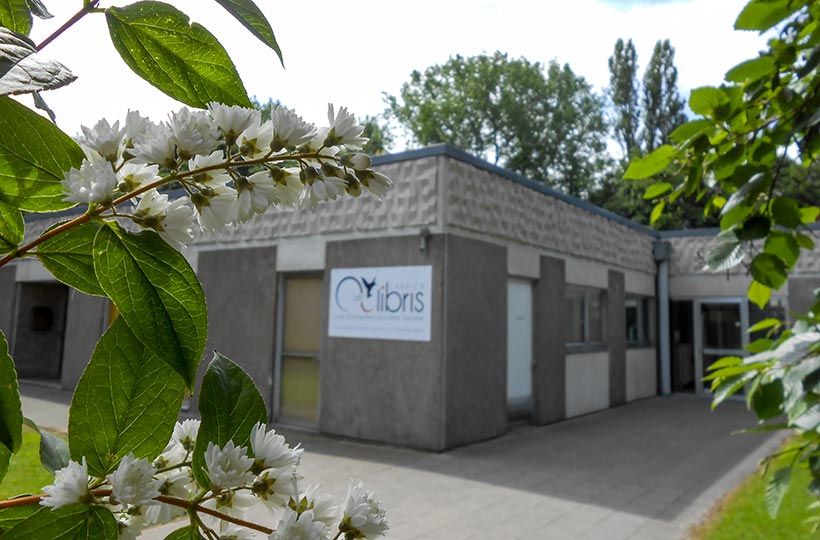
(69,257)
(706,99)
(763,14)
(11,412)
(183,60)
(54,453)
(230,405)
(188,533)
(5,459)
(15,15)
(754,228)
(764,325)
(776,489)
(38,9)
(156,292)
(73,522)
(804,241)
(724,255)
(690,129)
(23,71)
(11,227)
(650,165)
(759,345)
(657,212)
(730,386)
(726,361)
(9,517)
(769,270)
(751,70)
(127,401)
(767,400)
(34,155)
(759,294)
(809,214)
(656,190)
(786,212)
(749,189)
(784,246)
(254,20)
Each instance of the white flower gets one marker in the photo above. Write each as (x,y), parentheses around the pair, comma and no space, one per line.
(135,175)
(176,483)
(289,129)
(363,515)
(155,144)
(277,486)
(193,132)
(135,126)
(104,138)
(171,220)
(255,141)
(70,486)
(228,467)
(270,449)
(215,207)
(344,130)
(133,482)
(235,532)
(322,188)
(289,187)
(375,182)
(359,162)
(185,433)
(212,178)
(233,119)
(256,194)
(299,527)
(128,529)
(324,506)
(94,182)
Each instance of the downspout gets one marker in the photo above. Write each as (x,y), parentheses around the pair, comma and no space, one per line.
(662,252)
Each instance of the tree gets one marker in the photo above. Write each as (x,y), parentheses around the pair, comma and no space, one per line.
(662,106)
(624,92)
(379,136)
(752,134)
(547,127)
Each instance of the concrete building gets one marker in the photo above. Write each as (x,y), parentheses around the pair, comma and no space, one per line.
(469,299)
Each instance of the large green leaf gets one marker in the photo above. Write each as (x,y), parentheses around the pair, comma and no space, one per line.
(15,15)
(784,246)
(183,60)
(54,453)
(73,522)
(5,459)
(11,412)
(34,156)
(23,71)
(156,292)
(254,20)
(769,270)
(751,70)
(706,99)
(763,14)
(69,257)
(11,227)
(9,517)
(230,405)
(650,165)
(127,401)
(187,533)
(759,294)
(776,489)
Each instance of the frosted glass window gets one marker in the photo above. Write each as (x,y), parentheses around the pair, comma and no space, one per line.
(303,325)
(300,389)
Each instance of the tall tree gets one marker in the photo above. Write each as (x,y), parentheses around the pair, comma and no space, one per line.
(378,133)
(662,106)
(624,91)
(549,127)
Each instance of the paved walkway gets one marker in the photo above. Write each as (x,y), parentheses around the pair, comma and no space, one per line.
(645,471)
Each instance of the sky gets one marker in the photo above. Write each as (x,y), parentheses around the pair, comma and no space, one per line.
(350,53)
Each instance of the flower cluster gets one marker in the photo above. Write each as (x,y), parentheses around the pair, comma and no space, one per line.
(142,493)
(231,165)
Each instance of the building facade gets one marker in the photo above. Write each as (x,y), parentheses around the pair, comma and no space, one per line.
(468,299)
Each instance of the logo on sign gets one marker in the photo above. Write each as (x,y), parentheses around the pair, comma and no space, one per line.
(357,294)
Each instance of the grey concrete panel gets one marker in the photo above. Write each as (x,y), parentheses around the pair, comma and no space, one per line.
(475,346)
(240,288)
(384,390)
(84,326)
(801,293)
(615,324)
(7,297)
(549,372)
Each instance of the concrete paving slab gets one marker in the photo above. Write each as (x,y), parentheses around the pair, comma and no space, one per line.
(644,471)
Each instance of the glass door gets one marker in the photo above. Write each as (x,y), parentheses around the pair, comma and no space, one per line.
(720,330)
(519,348)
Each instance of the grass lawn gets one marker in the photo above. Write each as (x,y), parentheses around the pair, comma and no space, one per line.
(25,475)
(742,514)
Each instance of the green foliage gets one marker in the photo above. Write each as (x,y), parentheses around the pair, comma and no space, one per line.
(74,522)
(11,416)
(11,227)
(546,126)
(181,59)
(127,401)
(662,106)
(9,517)
(69,257)
(186,533)
(15,15)
(230,405)
(27,474)
(252,18)
(624,93)
(54,453)
(380,139)
(156,292)
(34,155)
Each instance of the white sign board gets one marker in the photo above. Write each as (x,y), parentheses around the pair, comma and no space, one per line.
(392,302)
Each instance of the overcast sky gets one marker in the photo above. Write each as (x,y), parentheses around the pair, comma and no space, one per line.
(351,52)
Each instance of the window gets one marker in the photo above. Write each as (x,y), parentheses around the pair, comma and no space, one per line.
(637,320)
(585,315)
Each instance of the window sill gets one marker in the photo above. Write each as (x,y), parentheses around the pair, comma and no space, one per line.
(579,348)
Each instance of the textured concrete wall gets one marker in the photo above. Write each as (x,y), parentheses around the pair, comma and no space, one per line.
(385,390)
(240,288)
(641,374)
(615,325)
(549,372)
(587,382)
(480,201)
(84,326)
(475,346)
(7,298)
(801,293)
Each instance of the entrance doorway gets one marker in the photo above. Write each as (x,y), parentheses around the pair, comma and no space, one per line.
(519,349)
(720,326)
(40,329)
